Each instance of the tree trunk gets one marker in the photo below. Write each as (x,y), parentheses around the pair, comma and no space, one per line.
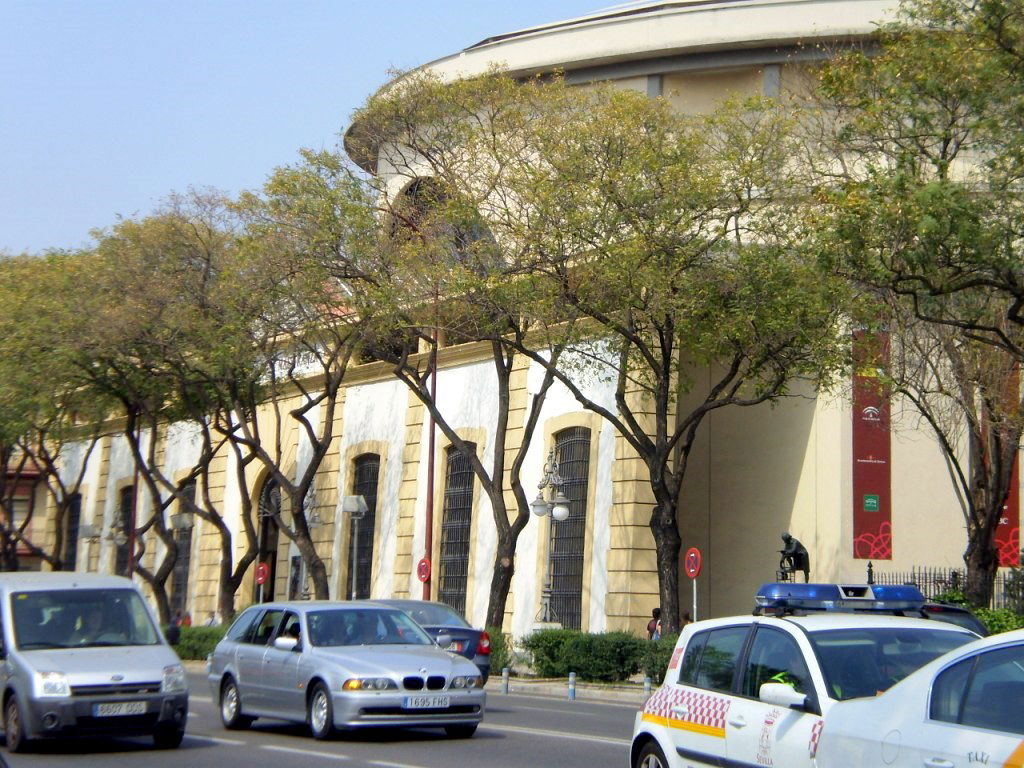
(982,562)
(501,580)
(668,544)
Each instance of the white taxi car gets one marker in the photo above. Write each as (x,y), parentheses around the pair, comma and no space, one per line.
(753,690)
(963,709)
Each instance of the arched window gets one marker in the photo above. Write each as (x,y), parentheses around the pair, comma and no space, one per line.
(183,538)
(270,504)
(72,522)
(455,526)
(367,470)
(572,449)
(125,513)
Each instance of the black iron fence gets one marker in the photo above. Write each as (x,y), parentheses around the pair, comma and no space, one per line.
(1008,591)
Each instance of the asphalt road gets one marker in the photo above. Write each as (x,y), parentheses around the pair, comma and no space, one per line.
(519,731)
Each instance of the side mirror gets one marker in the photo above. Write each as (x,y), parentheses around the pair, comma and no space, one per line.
(782,695)
(285,643)
(444,640)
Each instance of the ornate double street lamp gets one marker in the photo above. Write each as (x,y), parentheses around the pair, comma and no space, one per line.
(550,501)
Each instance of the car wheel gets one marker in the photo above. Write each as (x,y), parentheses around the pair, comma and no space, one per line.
(321,712)
(13,726)
(231,707)
(651,756)
(460,731)
(168,737)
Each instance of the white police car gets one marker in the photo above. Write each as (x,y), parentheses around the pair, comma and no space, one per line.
(752,690)
(963,709)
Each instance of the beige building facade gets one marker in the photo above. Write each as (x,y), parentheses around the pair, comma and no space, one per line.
(756,472)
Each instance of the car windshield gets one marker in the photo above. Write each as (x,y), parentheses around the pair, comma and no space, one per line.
(435,615)
(364,626)
(867,661)
(81,618)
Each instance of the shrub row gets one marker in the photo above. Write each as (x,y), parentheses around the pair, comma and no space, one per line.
(605,657)
(196,643)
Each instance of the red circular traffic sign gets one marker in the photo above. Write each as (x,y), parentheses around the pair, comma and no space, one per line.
(423,569)
(691,562)
(262,573)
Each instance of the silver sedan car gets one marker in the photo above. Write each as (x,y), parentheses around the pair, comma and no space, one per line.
(340,666)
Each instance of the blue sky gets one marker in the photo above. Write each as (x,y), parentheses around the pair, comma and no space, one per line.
(106,106)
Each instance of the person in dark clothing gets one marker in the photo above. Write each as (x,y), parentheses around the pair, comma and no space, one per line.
(654,625)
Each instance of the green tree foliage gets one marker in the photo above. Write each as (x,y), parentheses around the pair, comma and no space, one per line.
(920,183)
(661,251)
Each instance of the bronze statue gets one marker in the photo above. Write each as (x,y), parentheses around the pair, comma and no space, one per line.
(794,559)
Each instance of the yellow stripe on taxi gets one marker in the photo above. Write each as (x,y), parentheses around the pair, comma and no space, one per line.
(683,725)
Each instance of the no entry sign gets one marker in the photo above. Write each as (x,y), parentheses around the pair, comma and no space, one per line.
(691,562)
(423,570)
(262,573)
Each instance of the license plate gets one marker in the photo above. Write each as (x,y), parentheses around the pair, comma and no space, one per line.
(426,702)
(119,708)
(456,646)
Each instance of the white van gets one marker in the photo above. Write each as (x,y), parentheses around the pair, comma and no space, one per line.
(83,656)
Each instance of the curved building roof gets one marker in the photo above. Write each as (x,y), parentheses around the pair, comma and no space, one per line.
(649,30)
(657,37)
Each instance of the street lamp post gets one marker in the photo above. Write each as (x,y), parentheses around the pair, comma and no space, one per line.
(356,507)
(551,500)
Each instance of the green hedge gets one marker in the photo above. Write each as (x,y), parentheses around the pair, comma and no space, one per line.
(196,643)
(547,650)
(655,657)
(604,657)
(1000,619)
(501,651)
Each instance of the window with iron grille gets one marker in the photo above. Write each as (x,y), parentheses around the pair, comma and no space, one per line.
(367,469)
(270,504)
(455,525)
(183,538)
(74,519)
(124,520)
(572,449)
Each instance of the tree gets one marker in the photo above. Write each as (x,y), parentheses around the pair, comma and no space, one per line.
(49,424)
(448,278)
(305,257)
(167,335)
(920,184)
(649,244)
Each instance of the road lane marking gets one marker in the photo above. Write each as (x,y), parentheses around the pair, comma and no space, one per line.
(554,734)
(204,699)
(386,764)
(216,740)
(305,752)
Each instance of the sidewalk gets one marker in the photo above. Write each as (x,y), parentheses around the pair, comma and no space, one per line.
(620,693)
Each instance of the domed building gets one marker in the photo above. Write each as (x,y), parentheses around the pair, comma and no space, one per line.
(852,476)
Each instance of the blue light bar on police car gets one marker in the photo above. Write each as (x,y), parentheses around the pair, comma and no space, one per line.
(839,597)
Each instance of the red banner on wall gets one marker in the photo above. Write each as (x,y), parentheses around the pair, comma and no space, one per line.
(872,452)
(1008,530)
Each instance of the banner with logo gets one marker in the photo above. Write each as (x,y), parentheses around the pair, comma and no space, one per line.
(872,452)
(1008,530)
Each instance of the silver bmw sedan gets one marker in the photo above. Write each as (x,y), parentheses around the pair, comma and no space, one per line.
(338,665)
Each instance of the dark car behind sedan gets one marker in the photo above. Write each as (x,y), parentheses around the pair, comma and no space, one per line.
(440,619)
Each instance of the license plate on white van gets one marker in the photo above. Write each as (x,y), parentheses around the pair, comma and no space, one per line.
(119,708)
(426,702)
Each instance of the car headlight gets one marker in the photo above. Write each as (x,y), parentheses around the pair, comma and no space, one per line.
(174,680)
(368,684)
(51,684)
(465,681)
